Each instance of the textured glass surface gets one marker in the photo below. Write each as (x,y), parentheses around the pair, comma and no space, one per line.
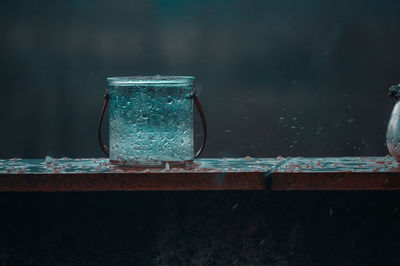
(393,133)
(151,123)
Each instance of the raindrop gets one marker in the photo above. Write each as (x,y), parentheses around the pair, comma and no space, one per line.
(350,120)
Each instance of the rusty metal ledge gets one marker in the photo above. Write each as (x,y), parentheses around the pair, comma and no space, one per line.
(65,174)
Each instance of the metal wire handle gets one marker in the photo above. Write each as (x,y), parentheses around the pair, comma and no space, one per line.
(203,122)
(198,106)
(103,109)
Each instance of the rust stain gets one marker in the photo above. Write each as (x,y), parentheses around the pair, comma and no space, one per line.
(348,173)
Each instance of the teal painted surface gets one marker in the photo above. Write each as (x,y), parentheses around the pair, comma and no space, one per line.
(220,165)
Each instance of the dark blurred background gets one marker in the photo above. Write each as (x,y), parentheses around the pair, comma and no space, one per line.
(306,78)
(289,78)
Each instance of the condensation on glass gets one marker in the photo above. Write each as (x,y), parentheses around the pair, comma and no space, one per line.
(393,130)
(151,120)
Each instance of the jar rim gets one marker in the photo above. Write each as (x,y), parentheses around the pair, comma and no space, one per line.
(150,80)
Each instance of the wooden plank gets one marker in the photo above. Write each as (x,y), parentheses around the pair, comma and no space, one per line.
(65,174)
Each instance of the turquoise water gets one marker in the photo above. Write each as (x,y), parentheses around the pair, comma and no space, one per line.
(151,125)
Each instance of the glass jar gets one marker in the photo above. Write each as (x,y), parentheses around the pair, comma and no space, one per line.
(151,120)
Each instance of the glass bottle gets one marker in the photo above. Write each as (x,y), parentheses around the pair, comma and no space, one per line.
(393,130)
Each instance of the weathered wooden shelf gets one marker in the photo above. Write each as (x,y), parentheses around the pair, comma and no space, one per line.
(65,174)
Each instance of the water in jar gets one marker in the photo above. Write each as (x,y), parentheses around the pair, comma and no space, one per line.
(150,125)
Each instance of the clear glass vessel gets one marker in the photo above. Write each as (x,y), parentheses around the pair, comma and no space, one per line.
(393,130)
(151,120)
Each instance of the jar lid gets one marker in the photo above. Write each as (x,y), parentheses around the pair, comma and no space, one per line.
(150,80)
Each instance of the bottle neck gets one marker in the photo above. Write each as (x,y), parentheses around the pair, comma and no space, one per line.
(395,98)
(394,93)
